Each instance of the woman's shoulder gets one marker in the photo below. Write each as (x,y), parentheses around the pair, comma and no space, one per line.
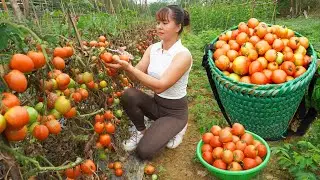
(155,45)
(185,50)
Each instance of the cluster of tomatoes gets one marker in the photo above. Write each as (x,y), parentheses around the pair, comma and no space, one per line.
(17,119)
(87,167)
(260,54)
(61,94)
(102,42)
(232,149)
(143,44)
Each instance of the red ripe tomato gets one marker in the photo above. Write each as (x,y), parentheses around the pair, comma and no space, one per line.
(222,62)
(207,156)
(238,155)
(288,67)
(245,79)
(99,127)
(227,156)
(232,54)
(242,38)
(262,150)
(207,137)
(218,52)
(237,129)
(248,138)
(259,78)
(304,42)
(215,142)
(249,163)
(269,37)
(252,55)
(234,166)
(220,164)
(278,76)
(271,55)
(53,126)
(256,143)
(88,167)
(206,147)
(250,151)
(225,136)
(294,43)
(278,45)
(262,47)
(234,45)
(241,145)
(105,139)
(242,27)
(215,130)
(217,153)
(254,40)
(229,145)
(118,172)
(72,173)
(299,71)
(258,160)
(110,128)
(220,43)
(253,22)
(235,139)
(255,66)
(268,74)
(273,66)
(41,132)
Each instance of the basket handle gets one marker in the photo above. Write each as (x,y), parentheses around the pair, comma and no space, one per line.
(205,64)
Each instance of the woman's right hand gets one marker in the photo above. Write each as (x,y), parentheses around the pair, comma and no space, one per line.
(119,64)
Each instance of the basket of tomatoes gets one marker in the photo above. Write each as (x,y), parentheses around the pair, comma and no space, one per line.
(233,153)
(261,73)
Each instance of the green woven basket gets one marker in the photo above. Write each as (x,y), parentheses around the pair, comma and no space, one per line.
(263,109)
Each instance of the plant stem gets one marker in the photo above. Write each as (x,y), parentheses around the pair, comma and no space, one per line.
(90,114)
(38,169)
(48,162)
(35,36)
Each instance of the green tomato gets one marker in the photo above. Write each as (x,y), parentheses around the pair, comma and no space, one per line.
(39,107)
(71,84)
(118,113)
(154,177)
(33,114)
(3,123)
(55,113)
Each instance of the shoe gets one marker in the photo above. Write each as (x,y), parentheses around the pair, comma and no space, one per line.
(177,140)
(132,143)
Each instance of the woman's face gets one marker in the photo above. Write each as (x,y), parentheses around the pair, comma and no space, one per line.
(167,28)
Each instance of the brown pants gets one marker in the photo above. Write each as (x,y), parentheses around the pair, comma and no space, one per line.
(170,115)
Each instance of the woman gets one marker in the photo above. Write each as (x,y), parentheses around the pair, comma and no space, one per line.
(164,68)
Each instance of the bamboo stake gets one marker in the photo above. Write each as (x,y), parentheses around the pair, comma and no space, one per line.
(4,4)
(75,29)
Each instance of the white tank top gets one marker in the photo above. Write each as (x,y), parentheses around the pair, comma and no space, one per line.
(160,60)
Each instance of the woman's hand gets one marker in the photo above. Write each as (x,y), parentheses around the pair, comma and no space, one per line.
(119,64)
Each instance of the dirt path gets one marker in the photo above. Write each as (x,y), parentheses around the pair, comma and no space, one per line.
(180,163)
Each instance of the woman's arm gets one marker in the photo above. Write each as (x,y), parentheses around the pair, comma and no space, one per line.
(142,65)
(179,65)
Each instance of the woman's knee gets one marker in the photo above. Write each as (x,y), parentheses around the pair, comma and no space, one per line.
(128,95)
(143,152)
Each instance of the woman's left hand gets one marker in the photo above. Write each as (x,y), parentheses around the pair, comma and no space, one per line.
(119,64)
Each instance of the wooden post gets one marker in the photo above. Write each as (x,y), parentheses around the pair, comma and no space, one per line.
(26,7)
(252,8)
(16,9)
(75,29)
(36,16)
(4,4)
(274,11)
